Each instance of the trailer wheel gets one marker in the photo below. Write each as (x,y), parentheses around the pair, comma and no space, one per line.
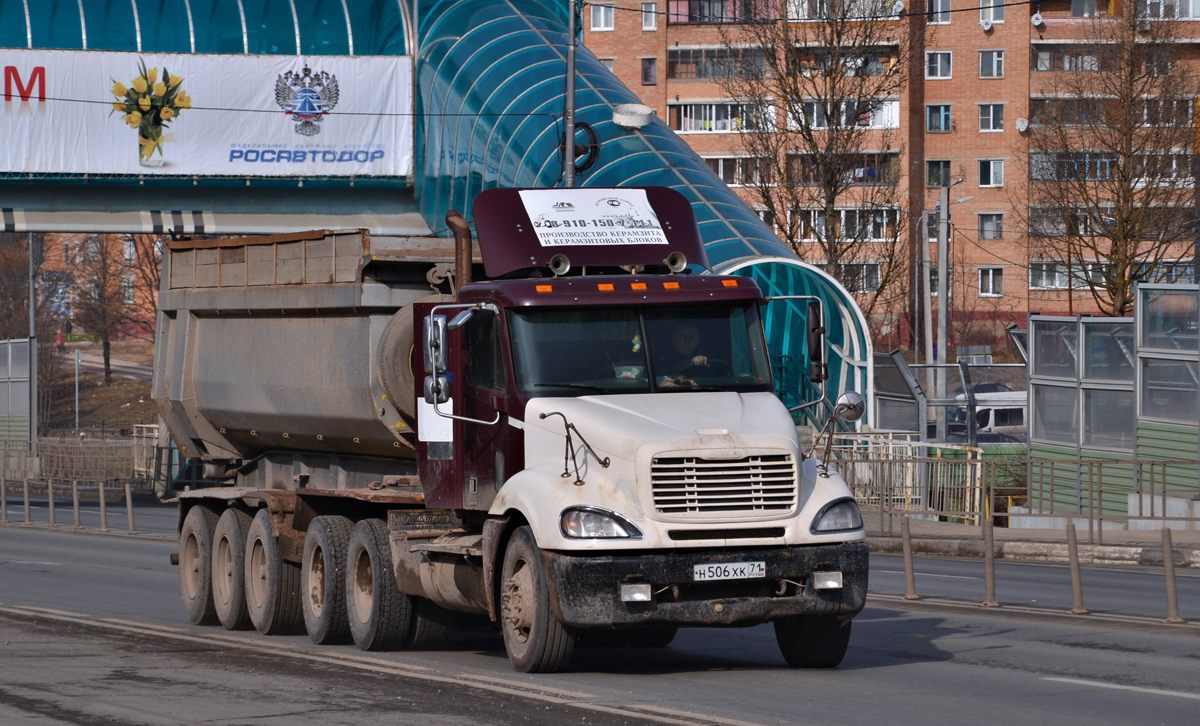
(272,585)
(536,641)
(195,565)
(812,641)
(430,625)
(323,579)
(379,614)
(229,565)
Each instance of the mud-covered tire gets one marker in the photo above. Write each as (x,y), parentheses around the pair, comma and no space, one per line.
(378,613)
(272,584)
(229,569)
(195,565)
(396,355)
(536,641)
(323,580)
(812,641)
(431,626)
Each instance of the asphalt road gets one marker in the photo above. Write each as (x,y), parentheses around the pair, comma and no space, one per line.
(93,632)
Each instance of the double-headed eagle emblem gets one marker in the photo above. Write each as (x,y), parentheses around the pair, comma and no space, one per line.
(307,97)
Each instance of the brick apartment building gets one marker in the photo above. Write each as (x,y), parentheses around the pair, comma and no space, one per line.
(978,77)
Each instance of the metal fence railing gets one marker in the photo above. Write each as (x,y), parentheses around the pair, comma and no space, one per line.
(898,476)
(902,475)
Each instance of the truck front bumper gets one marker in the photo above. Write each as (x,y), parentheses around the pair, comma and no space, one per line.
(586,591)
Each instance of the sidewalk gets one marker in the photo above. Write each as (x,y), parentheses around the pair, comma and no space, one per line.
(1116,547)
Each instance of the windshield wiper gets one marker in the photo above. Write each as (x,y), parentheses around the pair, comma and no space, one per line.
(584,386)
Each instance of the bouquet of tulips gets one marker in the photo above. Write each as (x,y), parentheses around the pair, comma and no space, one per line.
(148,105)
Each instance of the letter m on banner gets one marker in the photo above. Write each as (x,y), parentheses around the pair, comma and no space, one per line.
(12,77)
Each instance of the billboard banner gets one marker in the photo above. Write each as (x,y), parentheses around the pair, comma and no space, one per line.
(100,112)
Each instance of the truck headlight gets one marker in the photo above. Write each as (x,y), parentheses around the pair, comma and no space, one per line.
(839,516)
(596,523)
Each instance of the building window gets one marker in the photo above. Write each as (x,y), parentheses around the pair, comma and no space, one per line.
(939,12)
(649,16)
(991,226)
(720,11)
(938,64)
(991,173)
(649,71)
(933,282)
(130,248)
(991,281)
(856,169)
(937,173)
(992,10)
(688,63)
(991,64)
(1086,8)
(863,115)
(602,18)
(607,63)
(853,225)
(717,117)
(127,289)
(937,118)
(1047,276)
(742,170)
(991,117)
(861,277)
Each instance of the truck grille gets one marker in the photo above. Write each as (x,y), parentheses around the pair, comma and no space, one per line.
(686,485)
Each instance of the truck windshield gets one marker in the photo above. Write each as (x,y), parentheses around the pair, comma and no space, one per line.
(638,350)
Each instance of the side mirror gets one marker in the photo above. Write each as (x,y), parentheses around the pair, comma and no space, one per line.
(437,390)
(815,337)
(435,345)
(850,406)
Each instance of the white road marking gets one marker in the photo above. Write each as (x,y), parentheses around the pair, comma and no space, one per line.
(1119,687)
(928,574)
(572,699)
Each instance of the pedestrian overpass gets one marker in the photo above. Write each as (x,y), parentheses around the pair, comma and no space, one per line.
(284,115)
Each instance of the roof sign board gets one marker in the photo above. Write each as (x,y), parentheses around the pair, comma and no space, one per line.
(524,228)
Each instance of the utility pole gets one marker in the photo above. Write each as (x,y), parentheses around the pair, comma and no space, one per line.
(33,357)
(943,255)
(568,149)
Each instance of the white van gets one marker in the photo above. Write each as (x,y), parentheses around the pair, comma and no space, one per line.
(1001,412)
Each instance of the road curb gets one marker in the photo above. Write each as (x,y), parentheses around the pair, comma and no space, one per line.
(1037,551)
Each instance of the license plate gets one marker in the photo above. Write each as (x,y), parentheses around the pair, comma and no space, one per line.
(729,571)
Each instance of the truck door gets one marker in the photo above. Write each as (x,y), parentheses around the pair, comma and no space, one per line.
(488,453)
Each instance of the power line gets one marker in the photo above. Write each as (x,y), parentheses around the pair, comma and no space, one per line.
(228,109)
(719,20)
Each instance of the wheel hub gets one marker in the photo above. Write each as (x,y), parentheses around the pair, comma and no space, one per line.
(316,582)
(517,604)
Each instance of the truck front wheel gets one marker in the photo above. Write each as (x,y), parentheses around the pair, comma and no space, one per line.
(379,614)
(195,565)
(323,579)
(812,641)
(229,562)
(535,640)
(272,584)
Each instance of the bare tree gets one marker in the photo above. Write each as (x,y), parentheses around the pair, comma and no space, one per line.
(106,291)
(819,89)
(146,270)
(1111,188)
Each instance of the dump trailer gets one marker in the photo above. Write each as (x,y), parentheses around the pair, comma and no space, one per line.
(585,440)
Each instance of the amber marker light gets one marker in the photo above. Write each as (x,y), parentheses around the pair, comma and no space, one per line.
(729,283)
(670,285)
(605,287)
(544,288)
(638,286)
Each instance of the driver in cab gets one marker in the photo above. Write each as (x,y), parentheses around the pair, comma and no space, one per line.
(682,360)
